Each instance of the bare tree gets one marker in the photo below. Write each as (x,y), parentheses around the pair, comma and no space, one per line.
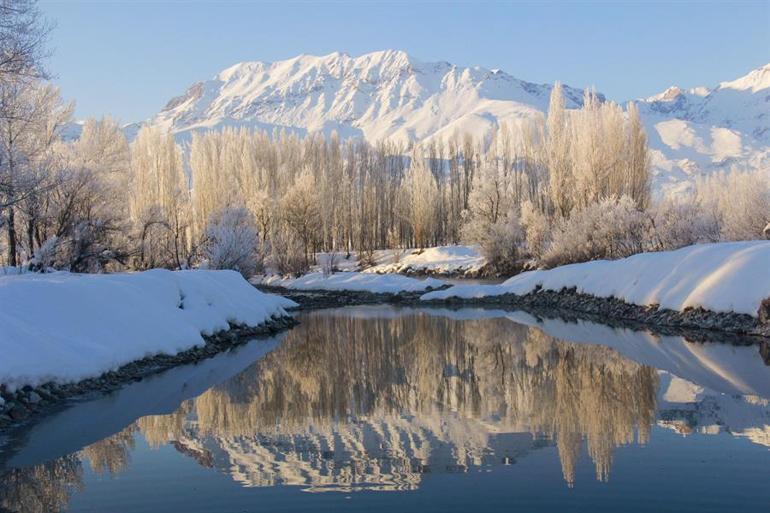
(31,117)
(23,37)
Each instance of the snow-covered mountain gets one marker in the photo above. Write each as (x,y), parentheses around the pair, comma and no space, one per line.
(389,94)
(701,130)
(380,95)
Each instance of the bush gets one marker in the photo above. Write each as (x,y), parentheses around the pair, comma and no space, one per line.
(537,226)
(741,202)
(610,228)
(499,242)
(287,253)
(231,241)
(675,224)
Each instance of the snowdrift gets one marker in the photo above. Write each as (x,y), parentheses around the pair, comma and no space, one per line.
(67,327)
(721,277)
(436,260)
(354,281)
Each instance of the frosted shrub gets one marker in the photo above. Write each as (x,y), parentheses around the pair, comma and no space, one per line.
(500,242)
(741,202)
(45,255)
(611,228)
(501,246)
(231,241)
(675,224)
(538,229)
(329,263)
(287,253)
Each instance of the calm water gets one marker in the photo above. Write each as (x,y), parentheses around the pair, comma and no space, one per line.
(388,409)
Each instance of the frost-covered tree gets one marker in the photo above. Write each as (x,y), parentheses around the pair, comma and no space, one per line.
(609,153)
(636,180)
(31,118)
(82,220)
(611,228)
(537,228)
(301,212)
(420,191)
(558,158)
(23,37)
(739,200)
(159,200)
(675,223)
(231,241)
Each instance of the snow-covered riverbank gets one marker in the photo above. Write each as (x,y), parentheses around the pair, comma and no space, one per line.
(65,327)
(352,281)
(457,261)
(729,277)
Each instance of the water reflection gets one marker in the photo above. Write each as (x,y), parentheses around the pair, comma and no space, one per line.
(379,398)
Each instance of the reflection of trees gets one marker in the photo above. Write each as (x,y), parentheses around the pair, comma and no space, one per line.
(394,396)
(349,403)
(47,488)
(42,488)
(112,454)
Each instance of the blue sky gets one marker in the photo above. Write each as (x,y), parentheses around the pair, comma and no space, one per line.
(128,58)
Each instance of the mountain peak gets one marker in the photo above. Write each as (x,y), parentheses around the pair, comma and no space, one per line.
(377,95)
(754,81)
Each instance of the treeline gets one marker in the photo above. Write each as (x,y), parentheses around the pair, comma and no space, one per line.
(572,186)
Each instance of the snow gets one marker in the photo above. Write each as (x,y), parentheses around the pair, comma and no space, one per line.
(66,327)
(441,260)
(721,277)
(682,391)
(84,423)
(391,95)
(438,260)
(353,281)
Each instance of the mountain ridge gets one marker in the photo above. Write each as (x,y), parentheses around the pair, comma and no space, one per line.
(391,95)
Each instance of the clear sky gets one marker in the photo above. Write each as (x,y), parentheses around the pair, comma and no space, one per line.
(128,58)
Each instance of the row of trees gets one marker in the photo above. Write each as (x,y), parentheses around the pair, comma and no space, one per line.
(569,187)
(573,188)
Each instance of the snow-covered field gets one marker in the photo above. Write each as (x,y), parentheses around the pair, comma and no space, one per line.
(445,260)
(721,277)
(353,281)
(66,327)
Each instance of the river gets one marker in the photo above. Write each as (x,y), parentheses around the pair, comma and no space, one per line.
(382,408)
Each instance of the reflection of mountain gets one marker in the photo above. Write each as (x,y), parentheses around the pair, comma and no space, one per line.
(689,408)
(356,402)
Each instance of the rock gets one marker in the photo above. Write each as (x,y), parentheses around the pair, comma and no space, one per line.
(33,397)
(764,311)
(18,412)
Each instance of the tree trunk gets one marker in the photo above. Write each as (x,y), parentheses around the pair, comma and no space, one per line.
(11,237)
(31,236)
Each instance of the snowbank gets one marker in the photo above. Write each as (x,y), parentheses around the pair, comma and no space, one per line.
(66,327)
(721,277)
(360,282)
(436,260)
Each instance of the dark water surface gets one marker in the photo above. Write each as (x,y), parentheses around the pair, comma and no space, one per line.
(387,409)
